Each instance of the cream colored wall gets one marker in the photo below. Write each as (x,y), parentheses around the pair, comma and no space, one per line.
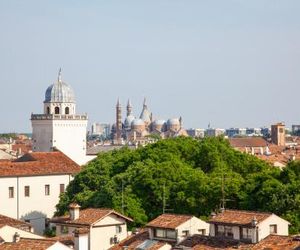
(37,206)
(69,136)
(81,242)
(100,236)
(7,234)
(193,226)
(165,247)
(264,226)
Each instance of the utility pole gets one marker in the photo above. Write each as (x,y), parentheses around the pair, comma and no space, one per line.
(123,196)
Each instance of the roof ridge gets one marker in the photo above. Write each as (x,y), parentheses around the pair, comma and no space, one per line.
(249,211)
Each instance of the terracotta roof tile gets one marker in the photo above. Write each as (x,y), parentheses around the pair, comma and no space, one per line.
(170,221)
(28,244)
(88,216)
(239,217)
(39,163)
(248,142)
(202,242)
(277,242)
(4,220)
(132,241)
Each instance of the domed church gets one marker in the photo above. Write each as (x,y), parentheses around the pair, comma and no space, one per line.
(138,130)
(59,126)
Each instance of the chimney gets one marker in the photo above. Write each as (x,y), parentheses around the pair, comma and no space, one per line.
(254,221)
(81,236)
(74,210)
(16,237)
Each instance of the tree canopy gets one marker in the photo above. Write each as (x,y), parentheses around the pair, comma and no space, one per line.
(184,175)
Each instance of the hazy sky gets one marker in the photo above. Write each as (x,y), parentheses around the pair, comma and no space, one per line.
(227,62)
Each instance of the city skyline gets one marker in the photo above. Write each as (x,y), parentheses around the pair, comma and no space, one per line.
(232,64)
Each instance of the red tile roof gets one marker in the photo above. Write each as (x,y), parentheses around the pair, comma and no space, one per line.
(239,217)
(248,142)
(39,163)
(132,241)
(4,220)
(28,244)
(170,221)
(277,242)
(88,216)
(202,242)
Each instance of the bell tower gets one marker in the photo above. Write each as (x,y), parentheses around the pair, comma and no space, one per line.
(59,126)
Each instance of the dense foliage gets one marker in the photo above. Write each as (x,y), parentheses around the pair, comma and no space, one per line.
(188,175)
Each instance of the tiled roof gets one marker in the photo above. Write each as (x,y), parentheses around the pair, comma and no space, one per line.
(202,242)
(132,241)
(248,142)
(4,220)
(239,217)
(39,163)
(89,216)
(170,221)
(277,242)
(28,244)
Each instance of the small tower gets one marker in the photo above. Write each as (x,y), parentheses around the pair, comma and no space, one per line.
(118,121)
(60,126)
(129,108)
(278,134)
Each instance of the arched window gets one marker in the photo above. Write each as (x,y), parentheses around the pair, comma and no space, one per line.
(67,110)
(56,110)
(48,110)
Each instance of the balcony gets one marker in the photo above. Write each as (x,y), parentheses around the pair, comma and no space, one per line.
(58,117)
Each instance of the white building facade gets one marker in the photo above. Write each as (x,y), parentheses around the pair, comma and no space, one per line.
(30,189)
(59,126)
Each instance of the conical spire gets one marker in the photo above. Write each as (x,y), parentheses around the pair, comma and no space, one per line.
(118,102)
(59,75)
(129,107)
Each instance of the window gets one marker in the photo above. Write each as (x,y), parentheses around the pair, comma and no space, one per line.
(171,234)
(67,110)
(11,192)
(202,231)
(247,233)
(165,233)
(27,191)
(220,230)
(118,229)
(48,110)
(185,232)
(228,232)
(61,188)
(47,189)
(224,231)
(56,110)
(159,233)
(273,229)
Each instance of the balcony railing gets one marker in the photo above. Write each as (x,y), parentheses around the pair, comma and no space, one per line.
(58,117)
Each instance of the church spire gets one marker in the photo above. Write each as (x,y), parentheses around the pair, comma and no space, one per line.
(129,108)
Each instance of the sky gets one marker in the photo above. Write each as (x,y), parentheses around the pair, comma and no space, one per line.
(230,63)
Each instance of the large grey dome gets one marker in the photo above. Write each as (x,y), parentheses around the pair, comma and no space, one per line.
(59,92)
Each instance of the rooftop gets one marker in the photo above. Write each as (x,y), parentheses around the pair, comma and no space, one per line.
(248,142)
(170,221)
(239,217)
(8,221)
(89,216)
(39,163)
(28,244)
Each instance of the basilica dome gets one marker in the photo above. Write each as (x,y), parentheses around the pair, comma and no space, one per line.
(59,92)
(128,121)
